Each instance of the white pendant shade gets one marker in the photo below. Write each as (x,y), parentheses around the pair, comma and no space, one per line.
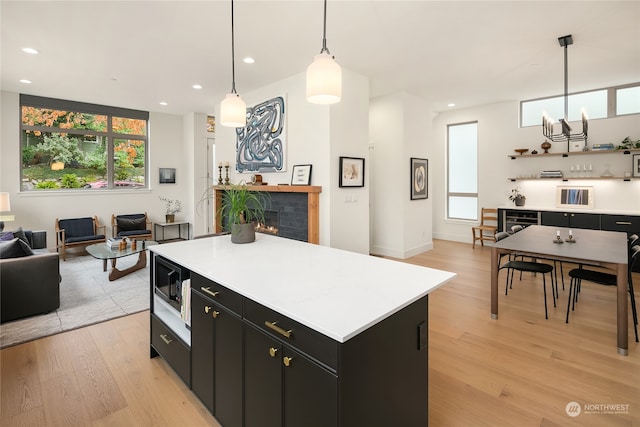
(324,80)
(233,111)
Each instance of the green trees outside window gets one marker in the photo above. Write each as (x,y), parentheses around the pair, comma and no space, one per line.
(71,145)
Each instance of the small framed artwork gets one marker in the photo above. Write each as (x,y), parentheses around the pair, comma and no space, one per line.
(351,172)
(636,165)
(301,175)
(419,178)
(574,197)
(167,175)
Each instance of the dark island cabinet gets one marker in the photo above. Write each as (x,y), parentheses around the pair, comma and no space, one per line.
(571,219)
(216,351)
(285,388)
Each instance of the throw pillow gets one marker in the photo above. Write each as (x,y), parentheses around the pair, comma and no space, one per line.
(15,248)
(130,224)
(19,233)
(5,237)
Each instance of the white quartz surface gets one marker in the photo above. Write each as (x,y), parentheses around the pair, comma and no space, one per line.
(335,292)
(580,210)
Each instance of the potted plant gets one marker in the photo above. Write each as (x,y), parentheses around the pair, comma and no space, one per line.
(242,208)
(517,197)
(172,207)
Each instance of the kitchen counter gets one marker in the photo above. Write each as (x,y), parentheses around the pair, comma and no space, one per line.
(334,292)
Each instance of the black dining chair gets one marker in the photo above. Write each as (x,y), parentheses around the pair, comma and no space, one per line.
(579,274)
(515,264)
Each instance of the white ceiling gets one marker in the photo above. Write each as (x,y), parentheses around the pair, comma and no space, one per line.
(136,54)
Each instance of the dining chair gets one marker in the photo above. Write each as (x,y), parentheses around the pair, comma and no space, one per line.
(527,266)
(607,279)
(487,228)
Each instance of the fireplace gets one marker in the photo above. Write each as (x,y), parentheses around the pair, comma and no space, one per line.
(292,209)
(271,223)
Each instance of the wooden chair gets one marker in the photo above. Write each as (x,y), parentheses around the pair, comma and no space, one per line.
(135,226)
(74,232)
(487,228)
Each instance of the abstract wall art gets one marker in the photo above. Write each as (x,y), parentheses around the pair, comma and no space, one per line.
(261,145)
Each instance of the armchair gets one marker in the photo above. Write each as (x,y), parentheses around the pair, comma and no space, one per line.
(135,226)
(78,232)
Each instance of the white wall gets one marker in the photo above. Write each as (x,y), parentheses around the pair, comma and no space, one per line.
(317,135)
(39,210)
(400,128)
(499,135)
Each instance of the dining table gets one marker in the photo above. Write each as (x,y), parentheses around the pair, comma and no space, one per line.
(606,249)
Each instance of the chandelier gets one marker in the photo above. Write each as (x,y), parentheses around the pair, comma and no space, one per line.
(565,134)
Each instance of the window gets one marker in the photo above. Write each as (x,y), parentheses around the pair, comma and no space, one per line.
(597,104)
(462,171)
(628,100)
(73,145)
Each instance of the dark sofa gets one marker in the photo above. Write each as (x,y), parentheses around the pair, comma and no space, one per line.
(29,284)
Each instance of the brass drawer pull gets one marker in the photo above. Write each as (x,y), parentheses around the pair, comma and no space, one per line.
(273,351)
(278,329)
(215,314)
(287,361)
(623,223)
(208,290)
(164,338)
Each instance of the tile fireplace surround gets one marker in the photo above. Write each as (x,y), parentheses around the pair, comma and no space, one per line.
(288,207)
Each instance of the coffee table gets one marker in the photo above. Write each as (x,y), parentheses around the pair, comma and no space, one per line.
(103,252)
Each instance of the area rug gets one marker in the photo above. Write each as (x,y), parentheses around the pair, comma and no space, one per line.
(86,297)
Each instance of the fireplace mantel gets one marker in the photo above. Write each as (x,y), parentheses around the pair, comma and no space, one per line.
(313,204)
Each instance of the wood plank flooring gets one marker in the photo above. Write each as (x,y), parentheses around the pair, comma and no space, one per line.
(520,370)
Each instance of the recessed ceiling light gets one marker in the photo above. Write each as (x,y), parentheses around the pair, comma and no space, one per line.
(163,103)
(451,104)
(196,86)
(30,50)
(25,81)
(249,60)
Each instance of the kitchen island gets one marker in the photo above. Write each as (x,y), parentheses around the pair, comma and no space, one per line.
(287,333)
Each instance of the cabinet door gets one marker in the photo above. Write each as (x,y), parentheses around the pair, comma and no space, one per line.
(310,392)
(262,380)
(555,219)
(227,368)
(584,220)
(202,349)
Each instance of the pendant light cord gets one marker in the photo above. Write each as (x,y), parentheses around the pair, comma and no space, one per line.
(233,56)
(324,31)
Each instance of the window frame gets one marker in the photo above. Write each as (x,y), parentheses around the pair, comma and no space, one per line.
(109,135)
(612,92)
(448,162)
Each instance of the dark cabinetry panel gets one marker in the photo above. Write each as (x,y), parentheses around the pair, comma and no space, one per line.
(216,355)
(285,388)
(571,219)
(171,348)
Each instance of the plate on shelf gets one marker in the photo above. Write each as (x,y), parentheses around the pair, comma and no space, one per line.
(521,150)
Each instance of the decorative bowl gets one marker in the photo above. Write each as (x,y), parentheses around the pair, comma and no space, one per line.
(521,150)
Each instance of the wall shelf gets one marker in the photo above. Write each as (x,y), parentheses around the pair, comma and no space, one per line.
(575,153)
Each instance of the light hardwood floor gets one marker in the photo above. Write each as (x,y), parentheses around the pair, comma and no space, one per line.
(520,370)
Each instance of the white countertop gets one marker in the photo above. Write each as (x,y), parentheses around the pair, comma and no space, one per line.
(335,292)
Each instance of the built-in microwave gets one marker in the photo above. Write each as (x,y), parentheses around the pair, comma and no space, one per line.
(168,278)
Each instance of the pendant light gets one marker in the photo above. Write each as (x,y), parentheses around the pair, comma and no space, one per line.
(565,132)
(233,110)
(324,75)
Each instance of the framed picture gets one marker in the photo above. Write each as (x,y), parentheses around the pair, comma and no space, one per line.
(419,178)
(301,175)
(167,175)
(636,165)
(351,172)
(574,197)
